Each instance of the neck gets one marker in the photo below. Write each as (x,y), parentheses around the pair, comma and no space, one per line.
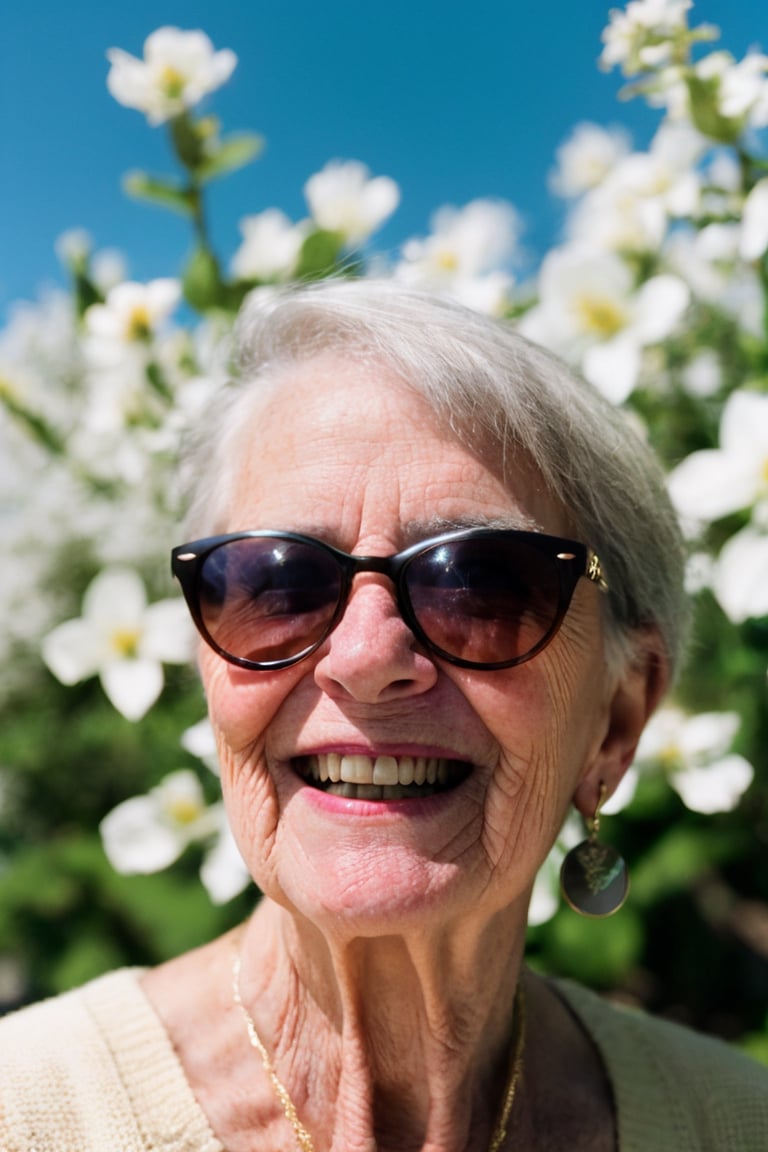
(386,1042)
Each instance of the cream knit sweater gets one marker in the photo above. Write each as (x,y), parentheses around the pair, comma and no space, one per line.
(94,1071)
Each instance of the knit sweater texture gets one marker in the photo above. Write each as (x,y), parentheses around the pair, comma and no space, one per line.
(94,1071)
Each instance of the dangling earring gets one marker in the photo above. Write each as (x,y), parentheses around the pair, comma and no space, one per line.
(594,878)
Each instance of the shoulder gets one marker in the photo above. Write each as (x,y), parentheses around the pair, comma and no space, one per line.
(94,1069)
(674,1086)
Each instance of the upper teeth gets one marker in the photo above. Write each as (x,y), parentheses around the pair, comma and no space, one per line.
(381,770)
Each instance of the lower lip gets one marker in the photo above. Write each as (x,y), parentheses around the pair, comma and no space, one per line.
(414,808)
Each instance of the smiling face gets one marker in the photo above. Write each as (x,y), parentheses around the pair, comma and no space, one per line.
(343,451)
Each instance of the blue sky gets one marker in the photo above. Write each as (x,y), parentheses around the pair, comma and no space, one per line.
(453,99)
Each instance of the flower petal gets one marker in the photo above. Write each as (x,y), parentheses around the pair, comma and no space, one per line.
(168,635)
(741,576)
(716,788)
(223,872)
(754,223)
(73,651)
(200,741)
(708,736)
(744,426)
(136,839)
(115,599)
(624,793)
(132,686)
(613,367)
(659,304)
(710,483)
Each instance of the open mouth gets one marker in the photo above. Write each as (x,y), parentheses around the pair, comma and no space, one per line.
(359,777)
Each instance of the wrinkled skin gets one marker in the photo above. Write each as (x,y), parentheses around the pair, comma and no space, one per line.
(362,965)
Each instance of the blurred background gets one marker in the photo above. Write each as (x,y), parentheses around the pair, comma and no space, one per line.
(457,106)
(453,103)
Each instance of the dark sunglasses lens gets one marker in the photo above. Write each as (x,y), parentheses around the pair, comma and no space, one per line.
(485,600)
(267,599)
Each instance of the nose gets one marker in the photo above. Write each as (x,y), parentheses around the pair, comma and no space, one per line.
(372,656)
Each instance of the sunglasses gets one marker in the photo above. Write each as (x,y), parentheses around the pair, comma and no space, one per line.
(479,598)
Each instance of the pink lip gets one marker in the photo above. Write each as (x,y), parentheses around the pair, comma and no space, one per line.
(414,808)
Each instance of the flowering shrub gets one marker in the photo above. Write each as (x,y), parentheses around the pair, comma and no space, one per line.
(658,295)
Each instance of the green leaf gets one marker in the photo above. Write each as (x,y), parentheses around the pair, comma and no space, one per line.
(230,154)
(155,190)
(201,281)
(678,857)
(86,293)
(319,254)
(189,138)
(706,117)
(37,427)
(599,952)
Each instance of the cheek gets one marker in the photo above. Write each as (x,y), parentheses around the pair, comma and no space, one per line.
(241,706)
(547,719)
(243,703)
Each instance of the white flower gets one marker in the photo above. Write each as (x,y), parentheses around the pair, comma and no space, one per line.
(178,69)
(694,751)
(586,158)
(631,209)
(465,255)
(545,898)
(343,197)
(131,314)
(743,90)
(200,741)
(271,246)
(223,871)
(122,640)
(121,337)
(589,311)
(709,262)
(705,258)
(640,27)
(624,793)
(740,580)
(108,269)
(147,833)
(617,217)
(74,246)
(754,223)
(713,482)
(703,374)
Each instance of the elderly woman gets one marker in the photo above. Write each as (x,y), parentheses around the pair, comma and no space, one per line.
(438,586)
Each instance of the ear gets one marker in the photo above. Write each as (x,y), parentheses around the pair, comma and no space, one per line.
(635,694)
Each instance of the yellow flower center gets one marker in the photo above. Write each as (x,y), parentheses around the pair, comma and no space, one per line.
(184,810)
(7,390)
(139,324)
(172,82)
(600,315)
(447,261)
(125,641)
(670,757)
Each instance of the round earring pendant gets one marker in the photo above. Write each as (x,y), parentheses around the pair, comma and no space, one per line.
(594,879)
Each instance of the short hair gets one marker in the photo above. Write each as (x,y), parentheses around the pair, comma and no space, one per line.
(502,396)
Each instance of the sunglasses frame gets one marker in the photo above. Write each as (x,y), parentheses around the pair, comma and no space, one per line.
(572,560)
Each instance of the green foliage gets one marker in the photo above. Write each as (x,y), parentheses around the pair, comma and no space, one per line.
(162,192)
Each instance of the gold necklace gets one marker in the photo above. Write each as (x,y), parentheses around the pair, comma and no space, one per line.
(303,1138)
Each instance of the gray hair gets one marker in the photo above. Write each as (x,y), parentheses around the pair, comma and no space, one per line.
(503,396)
